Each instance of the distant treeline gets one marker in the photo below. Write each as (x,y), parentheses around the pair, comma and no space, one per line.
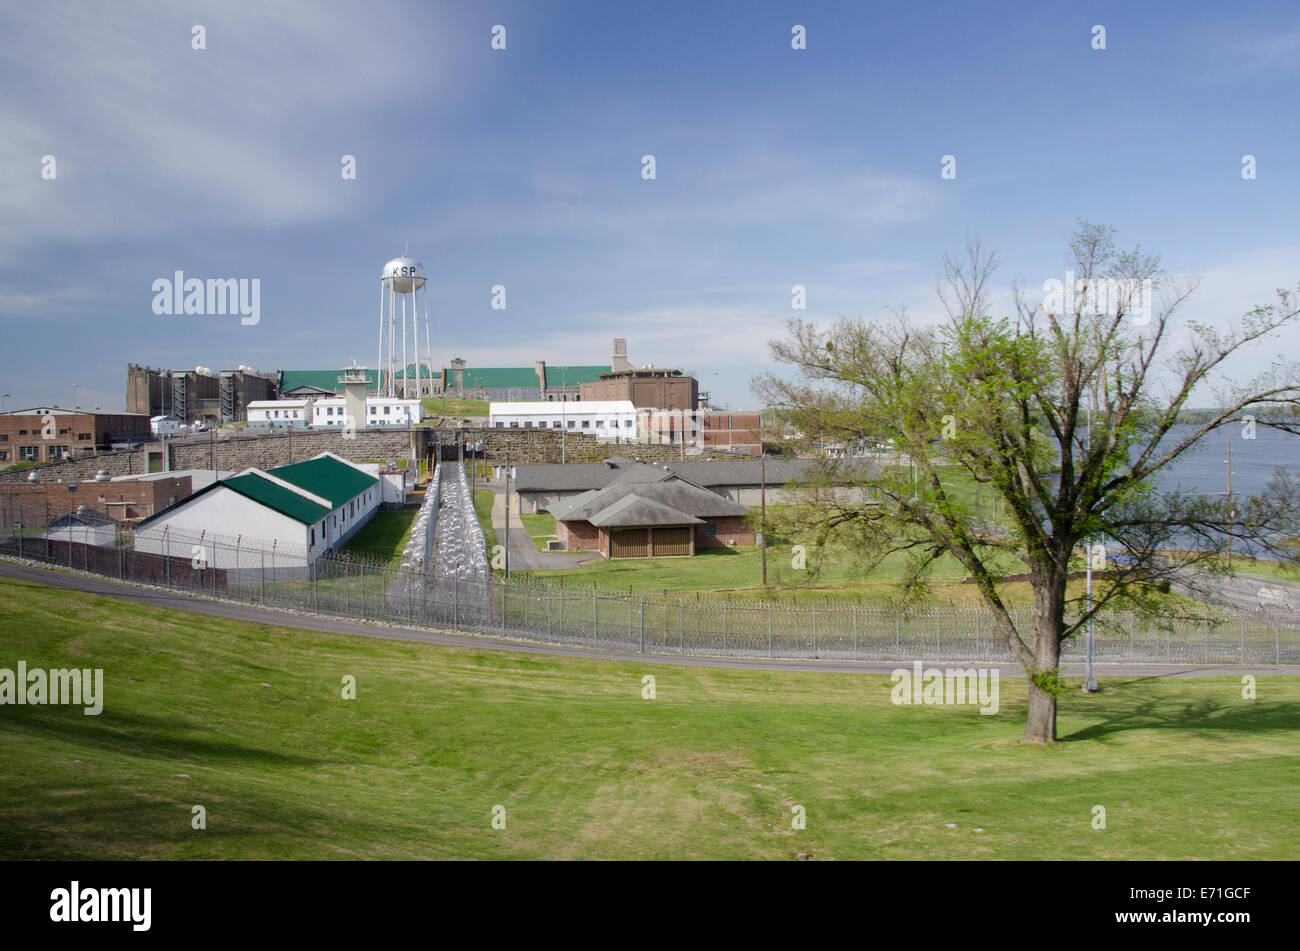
(1196,417)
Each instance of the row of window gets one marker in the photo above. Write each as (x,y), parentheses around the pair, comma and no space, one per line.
(555,424)
(350,512)
(33,453)
(4,437)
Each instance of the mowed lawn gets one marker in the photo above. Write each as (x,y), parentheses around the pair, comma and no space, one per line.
(248,721)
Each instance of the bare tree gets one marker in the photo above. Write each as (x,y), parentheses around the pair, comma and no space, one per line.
(1063,412)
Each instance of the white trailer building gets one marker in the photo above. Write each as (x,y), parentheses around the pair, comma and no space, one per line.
(615,420)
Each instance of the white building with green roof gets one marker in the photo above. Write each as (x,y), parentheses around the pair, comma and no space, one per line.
(296,512)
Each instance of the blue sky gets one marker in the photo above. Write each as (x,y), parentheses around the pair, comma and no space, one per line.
(522,167)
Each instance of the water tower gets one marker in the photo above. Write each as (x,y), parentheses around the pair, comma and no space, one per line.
(400,290)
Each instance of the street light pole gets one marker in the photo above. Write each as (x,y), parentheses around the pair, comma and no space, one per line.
(1089,682)
(507,547)
(1232,511)
(762,490)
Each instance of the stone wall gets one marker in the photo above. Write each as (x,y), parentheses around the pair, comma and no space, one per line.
(268,449)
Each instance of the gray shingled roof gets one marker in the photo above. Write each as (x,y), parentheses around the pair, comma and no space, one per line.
(659,487)
(706,473)
(636,510)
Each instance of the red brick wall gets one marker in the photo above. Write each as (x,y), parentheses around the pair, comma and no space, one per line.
(579,535)
(728,527)
(141,499)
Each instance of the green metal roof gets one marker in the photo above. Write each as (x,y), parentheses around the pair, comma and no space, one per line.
(505,378)
(326,477)
(424,374)
(571,376)
(277,497)
(323,379)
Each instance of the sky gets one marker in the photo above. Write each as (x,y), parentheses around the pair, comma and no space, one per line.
(523,167)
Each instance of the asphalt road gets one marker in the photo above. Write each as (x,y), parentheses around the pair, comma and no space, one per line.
(140,594)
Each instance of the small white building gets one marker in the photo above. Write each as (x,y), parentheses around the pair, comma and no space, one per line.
(298,512)
(86,526)
(162,426)
(614,420)
(328,412)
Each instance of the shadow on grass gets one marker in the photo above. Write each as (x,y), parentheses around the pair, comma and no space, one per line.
(1202,716)
(140,735)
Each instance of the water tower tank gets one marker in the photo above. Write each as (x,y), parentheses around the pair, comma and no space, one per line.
(403,275)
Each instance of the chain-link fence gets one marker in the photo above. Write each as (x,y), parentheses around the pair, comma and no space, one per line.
(460,594)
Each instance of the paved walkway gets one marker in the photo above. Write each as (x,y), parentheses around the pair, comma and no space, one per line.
(524,555)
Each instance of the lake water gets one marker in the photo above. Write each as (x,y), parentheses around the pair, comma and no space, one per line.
(1204,469)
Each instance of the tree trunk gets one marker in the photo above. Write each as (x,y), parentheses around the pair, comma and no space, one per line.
(1049,621)
(1041,726)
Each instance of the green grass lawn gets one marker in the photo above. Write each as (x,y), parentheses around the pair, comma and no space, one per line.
(247,720)
(540,528)
(454,407)
(385,535)
(483,509)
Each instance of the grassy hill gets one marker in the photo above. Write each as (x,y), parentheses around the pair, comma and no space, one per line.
(248,720)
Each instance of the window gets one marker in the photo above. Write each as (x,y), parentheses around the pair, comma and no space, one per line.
(708,529)
(586,424)
(22,432)
(600,424)
(388,410)
(555,424)
(64,432)
(572,423)
(83,436)
(500,425)
(28,453)
(58,452)
(4,455)
(4,437)
(313,535)
(373,410)
(627,423)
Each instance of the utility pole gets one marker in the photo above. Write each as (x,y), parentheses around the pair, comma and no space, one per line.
(1089,682)
(1232,511)
(762,495)
(507,548)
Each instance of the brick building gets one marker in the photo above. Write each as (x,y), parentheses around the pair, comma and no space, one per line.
(645,388)
(648,512)
(124,500)
(47,434)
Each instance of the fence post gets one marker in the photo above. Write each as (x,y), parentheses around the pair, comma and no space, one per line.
(681,626)
(855,632)
(769,630)
(643,625)
(548,609)
(1241,629)
(896,638)
(363,590)
(263,554)
(814,620)
(1132,623)
(977,632)
(595,603)
(938,646)
(724,627)
(503,605)
(1277,642)
(20,531)
(1207,641)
